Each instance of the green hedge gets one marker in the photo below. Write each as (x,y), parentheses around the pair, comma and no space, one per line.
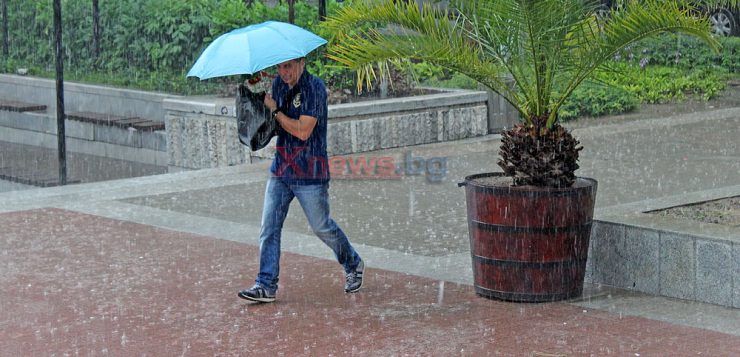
(149,44)
(685,52)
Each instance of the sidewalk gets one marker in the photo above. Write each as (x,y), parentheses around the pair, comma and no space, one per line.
(42,169)
(151,265)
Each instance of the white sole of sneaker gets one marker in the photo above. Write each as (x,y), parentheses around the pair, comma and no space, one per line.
(357,289)
(245,297)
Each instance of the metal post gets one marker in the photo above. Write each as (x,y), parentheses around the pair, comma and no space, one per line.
(5,27)
(322,10)
(291,11)
(61,147)
(96,30)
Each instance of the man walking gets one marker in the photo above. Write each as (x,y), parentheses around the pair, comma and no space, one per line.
(300,169)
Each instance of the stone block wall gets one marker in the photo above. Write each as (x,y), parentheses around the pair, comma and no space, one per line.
(406,129)
(661,262)
(201,132)
(197,140)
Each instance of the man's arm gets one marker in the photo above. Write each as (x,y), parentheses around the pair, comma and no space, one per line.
(301,128)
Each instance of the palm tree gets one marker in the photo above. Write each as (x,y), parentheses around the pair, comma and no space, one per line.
(548,48)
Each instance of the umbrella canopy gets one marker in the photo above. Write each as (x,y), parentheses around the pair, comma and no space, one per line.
(249,49)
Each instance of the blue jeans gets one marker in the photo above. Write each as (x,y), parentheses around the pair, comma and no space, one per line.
(314,200)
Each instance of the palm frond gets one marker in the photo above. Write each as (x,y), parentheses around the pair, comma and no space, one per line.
(369,32)
(548,47)
(595,44)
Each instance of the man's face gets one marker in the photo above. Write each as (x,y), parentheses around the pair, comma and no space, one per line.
(290,71)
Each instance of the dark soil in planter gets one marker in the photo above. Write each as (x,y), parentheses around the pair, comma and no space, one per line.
(505,181)
(342,96)
(724,211)
(347,96)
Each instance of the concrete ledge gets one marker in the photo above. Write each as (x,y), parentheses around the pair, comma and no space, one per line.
(49,140)
(399,105)
(115,134)
(667,256)
(84,97)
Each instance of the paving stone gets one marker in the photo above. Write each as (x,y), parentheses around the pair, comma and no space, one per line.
(339,139)
(677,266)
(643,250)
(736,275)
(367,135)
(391,134)
(151,268)
(39,166)
(714,268)
(609,255)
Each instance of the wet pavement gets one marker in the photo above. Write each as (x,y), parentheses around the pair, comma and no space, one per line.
(30,165)
(151,265)
(13,186)
(104,287)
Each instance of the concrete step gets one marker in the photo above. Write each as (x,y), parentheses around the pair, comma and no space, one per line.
(32,178)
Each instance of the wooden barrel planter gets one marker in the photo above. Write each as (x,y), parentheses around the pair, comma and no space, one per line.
(528,244)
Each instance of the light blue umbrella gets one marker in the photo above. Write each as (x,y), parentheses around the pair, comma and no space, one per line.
(250,49)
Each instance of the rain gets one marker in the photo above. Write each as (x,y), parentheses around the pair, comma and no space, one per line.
(141,248)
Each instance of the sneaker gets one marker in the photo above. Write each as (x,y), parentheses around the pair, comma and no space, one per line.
(354,279)
(257,293)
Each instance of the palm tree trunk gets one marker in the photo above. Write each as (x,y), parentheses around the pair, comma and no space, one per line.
(291,11)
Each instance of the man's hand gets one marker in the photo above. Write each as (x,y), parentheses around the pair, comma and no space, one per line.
(270,103)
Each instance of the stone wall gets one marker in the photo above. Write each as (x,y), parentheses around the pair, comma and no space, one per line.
(201,132)
(80,97)
(661,261)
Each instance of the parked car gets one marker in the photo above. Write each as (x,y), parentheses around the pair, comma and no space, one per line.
(725,21)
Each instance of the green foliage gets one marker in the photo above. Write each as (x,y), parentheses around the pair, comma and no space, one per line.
(432,75)
(595,100)
(150,44)
(175,29)
(625,86)
(661,84)
(147,44)
(685,52)
(334,77)
(455,80)
(549,47)
(425,71)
